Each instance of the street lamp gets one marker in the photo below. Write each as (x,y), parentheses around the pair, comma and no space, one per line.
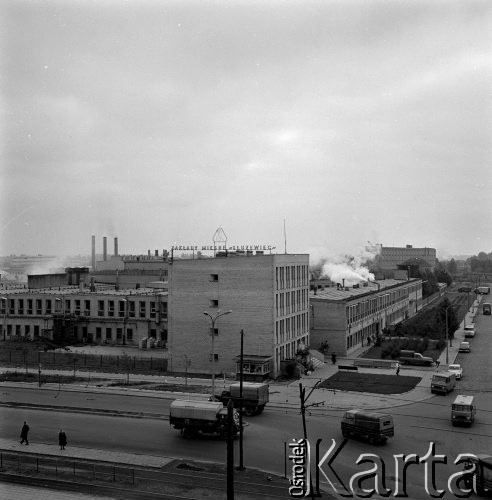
(5,305)
(213,319)
(448,339)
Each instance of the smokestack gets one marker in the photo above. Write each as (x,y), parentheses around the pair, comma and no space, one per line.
(105,248)
(93,252)
(116,247)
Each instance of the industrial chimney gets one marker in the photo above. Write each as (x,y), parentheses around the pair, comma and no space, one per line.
(116,247)
(93,252)
(105,248)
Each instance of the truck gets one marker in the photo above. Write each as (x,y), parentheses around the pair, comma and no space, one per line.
(414,358)
(463,410)
(443,382)
(208,417)
(486,308)
(255,397)
(482,290)
(480,476)
(371,426)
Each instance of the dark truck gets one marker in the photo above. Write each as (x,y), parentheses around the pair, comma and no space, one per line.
(255,397)
(414,358)
(209,417)
(480,467)
(372,426)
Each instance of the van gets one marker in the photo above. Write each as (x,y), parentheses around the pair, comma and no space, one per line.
(469,331)
(443,382)
(463,410)
(371,426)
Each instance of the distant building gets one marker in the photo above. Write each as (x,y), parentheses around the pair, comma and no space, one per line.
(390,258)
(345,317)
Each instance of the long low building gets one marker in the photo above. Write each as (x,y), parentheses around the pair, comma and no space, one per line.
(88,314)
(343,318)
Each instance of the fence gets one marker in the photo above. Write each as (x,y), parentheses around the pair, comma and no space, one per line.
(52,360)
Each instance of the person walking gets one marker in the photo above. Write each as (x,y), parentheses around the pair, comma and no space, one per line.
(62,439)
(437,364)
(333,358)
(23,434)
(397,368)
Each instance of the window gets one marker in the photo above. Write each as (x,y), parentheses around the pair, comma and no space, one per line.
(214,277)
(110,307)
(98,332)
(109,333)
(153,333)
(48,307)
(36,330)
(100,307)
(121,308)
(214,303)
(29,306)
(129,334)
(27,330)
(216,357)
(3,307)
(142,309)
(77,308)
(12,306)
(67,306)
(152,309)
(87,307)
(21,306)
(131,309)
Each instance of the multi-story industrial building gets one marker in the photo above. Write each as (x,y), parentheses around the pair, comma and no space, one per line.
(345,317)
(268,299)
(89,314)
(390,258)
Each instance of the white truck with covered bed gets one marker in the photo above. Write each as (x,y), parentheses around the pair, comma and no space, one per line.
(209,417)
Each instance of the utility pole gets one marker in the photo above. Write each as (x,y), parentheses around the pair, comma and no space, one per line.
(230,450)
(304,398)
(241,463)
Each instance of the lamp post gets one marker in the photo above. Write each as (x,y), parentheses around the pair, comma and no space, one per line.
(213,319)
(241,356)
(448,339)
(125,301)
(5,304)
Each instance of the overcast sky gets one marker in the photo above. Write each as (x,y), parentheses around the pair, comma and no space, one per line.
(158,122)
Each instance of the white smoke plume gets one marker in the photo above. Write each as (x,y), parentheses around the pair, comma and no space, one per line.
(351,269)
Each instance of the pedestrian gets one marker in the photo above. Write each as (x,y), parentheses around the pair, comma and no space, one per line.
(437,364)
(368,340)
(333,358)
(62,439)
(23,434)
(397,368)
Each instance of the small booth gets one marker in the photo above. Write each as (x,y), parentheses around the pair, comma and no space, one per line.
(255,368)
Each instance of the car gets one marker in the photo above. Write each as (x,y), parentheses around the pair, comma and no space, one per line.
(469,331)
(457,370)
(462,289)
(464,347)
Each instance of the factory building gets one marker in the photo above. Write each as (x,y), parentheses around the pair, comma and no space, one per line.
(345,317)
(391,258)
(87,314)
(268,299)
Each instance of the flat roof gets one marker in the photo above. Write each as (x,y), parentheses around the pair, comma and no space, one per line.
(348,293)
(74,290)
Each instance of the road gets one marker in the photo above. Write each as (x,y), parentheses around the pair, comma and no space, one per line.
(417,425)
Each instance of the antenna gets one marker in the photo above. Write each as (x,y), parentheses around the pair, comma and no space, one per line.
(285,239)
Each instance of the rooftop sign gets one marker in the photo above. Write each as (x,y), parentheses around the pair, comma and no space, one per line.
(221,247)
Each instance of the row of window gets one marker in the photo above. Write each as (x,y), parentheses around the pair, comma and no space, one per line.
(291,328)
(105,308)
(291,277)
(291,302)
(362,335)
(365,308)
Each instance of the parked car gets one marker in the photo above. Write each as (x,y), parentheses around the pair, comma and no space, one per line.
(464,347)
(469,331)
(462,289)
(457,370)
